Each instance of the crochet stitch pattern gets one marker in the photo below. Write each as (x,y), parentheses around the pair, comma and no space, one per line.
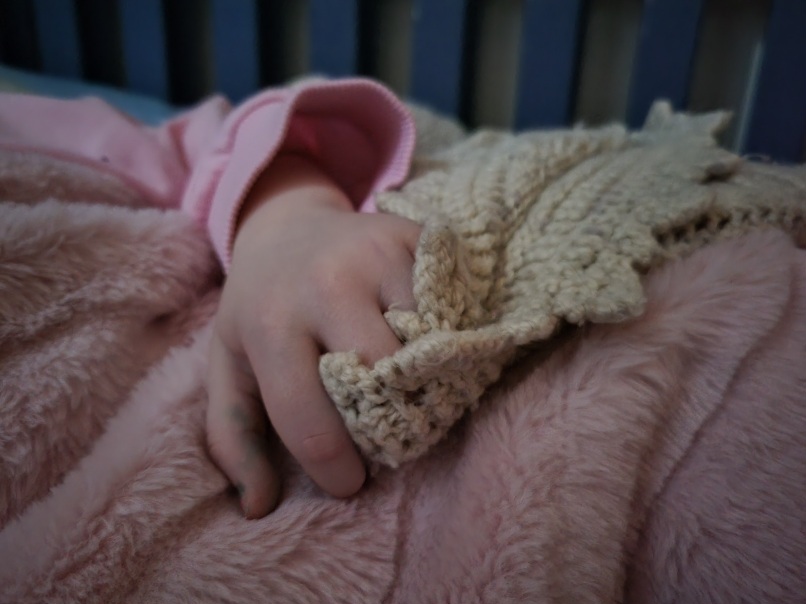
(526,232)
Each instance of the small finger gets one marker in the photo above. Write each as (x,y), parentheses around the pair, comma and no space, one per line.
(397,287)
(358,327)
(304,417)
(236,433)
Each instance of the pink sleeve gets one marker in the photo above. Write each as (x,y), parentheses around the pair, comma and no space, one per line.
(207,159)
(355,129)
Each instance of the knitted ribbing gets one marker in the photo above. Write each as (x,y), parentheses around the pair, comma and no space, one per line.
(525,232)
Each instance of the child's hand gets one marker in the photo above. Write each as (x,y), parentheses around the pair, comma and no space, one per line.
(308,275)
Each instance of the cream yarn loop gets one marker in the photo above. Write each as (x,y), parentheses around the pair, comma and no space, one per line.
(525,232)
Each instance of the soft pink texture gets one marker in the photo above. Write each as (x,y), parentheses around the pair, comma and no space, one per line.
(661,460)
(206,160)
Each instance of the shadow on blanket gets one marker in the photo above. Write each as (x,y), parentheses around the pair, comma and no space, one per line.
(660,460)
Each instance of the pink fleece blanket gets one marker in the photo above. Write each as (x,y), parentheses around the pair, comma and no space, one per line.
(660,460)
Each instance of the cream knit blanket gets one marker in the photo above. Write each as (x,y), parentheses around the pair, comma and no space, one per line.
(527,232)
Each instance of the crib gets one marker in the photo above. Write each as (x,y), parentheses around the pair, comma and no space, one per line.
(496,63)
(665,454)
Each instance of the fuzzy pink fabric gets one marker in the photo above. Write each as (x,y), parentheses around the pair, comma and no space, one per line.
(660,460)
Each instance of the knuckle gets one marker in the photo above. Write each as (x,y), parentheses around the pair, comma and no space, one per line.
(379,248)
(323,447)
(328,278)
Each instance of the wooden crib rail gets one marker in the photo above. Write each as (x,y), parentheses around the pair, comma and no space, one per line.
(510,63)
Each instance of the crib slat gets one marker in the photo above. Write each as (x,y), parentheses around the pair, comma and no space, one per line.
(57,34)
(17,33)
(144,51)
(550,42)
(100,41)
(334,37)
(664,56)
(438,61)
(235,47)
(778,122)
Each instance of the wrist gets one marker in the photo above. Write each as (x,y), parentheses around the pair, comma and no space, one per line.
(292,183)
